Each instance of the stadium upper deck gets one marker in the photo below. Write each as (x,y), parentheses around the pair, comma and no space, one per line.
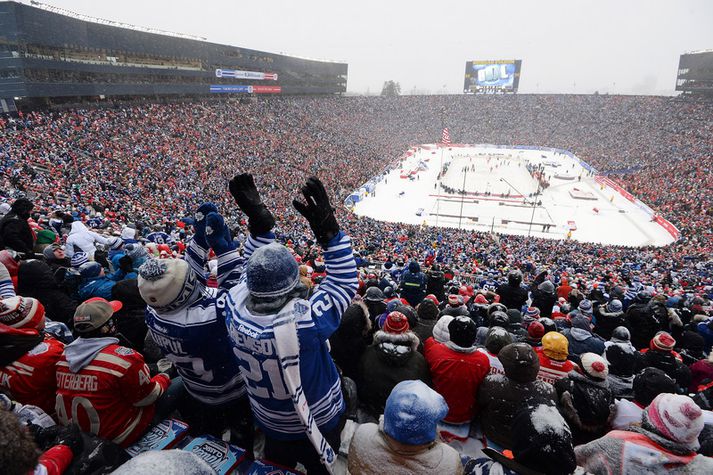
(44,54)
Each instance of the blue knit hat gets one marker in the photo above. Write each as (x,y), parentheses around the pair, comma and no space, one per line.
(79,258)
(90,270)
(272,271)
(615,306)
(532,312)
(585,306)
(412,412)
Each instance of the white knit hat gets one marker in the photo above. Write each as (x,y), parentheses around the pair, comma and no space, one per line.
(440,330)
(595,366)
(167,284)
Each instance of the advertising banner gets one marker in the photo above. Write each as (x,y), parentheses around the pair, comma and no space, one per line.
(236,74)
(242,89)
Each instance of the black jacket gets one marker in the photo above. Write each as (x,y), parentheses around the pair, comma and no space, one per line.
(513,296)
(666,362)
(35,279)
(585,404)
(544,302)
(348,343)
(16,234)
(642,324)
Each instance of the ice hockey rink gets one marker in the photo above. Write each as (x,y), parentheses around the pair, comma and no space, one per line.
(500,195)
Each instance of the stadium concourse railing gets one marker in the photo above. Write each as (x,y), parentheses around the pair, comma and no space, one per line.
(369,186)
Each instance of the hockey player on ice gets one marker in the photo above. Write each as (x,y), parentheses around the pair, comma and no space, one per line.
(280,338)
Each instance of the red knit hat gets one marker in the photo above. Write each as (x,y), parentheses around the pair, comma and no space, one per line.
(396,322)
(453,300)
(480,298)
(663,341)
(432,298)
(536,331)
(22,312)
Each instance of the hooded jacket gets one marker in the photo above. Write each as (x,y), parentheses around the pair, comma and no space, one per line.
(15,232)
(585,403)
(351,339)
(607,321)
(544,301)
(501,396)
(390,359)
(666,362)
(642,323)
(413,284)
(83,239)
(581,341)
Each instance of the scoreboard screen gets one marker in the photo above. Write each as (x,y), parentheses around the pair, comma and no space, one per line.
(492,76)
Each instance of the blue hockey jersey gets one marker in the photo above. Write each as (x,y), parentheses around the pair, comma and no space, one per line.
(254,345)
(195,338)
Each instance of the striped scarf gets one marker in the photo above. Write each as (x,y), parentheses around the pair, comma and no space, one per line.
(288,352)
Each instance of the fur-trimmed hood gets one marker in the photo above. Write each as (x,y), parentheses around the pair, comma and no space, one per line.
(394,344)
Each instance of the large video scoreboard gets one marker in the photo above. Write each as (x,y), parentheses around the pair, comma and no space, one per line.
(492,76)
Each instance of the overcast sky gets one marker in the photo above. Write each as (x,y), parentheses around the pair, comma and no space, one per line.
(566,46)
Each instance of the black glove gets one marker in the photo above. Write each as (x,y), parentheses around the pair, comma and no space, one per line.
(243,189)
(126,264)
(72,438)
(318,211)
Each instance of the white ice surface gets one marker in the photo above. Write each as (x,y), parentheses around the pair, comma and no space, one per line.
(618,222)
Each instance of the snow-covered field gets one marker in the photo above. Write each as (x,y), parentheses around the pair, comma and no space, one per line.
(499,188)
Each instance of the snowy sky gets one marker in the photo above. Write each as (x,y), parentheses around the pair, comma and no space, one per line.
(567,46)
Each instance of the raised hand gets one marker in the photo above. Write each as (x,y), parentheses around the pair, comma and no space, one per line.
(318,211)
(245,193)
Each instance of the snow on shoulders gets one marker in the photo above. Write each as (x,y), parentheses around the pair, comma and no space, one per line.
(548,419)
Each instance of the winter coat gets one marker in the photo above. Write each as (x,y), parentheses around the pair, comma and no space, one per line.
(457,374)
(427,318)
(666,362)
(350,340)
(435,283)
(544,302)
(621,386)
(582,341)
(642,324)
(701,373)
(373,452)
(413,284)
(35,279)
(585,403)
(513,296)
(83,239)
(640,450)
(130,320)
(607,321)
(390,359)
(15,233)
(499,399)
(97,287)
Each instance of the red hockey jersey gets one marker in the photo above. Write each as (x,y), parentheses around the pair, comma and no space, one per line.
(31,379)
(112,396)
(457,377)
(552,370)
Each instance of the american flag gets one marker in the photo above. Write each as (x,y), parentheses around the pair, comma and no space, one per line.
(446,137)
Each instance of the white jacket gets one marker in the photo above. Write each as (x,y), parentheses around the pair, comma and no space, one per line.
(83,238)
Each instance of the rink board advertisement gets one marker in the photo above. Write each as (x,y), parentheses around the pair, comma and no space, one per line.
(242,89)
(492,76)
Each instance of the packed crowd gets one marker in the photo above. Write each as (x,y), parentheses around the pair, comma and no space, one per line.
(132,289)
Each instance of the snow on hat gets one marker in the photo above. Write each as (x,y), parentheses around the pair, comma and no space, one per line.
(555,345)
(166,283)
(480,299)
(594,365)
(663,341)
(675,417)
(520,362)
(615,306)
(22,312)
(412,412)
(454,300)
(115,243)
(4,209)
(136,251)
(462,331)
(535,331)
(374,294)
(499,319)
(621,334)
(90,270)
(167,462)
(532,312)
(585,306)
(396,322)
(78,259)
(93,313)
(440,330)
(496,339)
(561,301)
(272,271)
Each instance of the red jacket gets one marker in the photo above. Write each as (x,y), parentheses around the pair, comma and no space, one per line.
(113,396)
(552,370)
(31,379)
(457,377)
